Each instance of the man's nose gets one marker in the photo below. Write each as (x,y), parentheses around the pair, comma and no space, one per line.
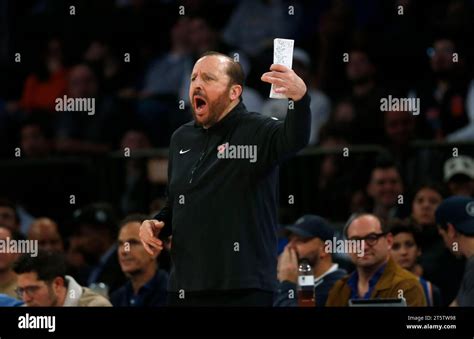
(122,251)
(26,298)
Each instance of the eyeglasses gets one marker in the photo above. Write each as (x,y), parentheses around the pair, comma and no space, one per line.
(30,290)
(371,239)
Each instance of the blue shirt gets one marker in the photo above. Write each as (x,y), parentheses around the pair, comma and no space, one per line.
(7,301)
(153,293)
(354,281)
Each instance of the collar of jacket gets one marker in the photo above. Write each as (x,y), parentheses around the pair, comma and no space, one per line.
(386,280)
(74,292)
(228,120)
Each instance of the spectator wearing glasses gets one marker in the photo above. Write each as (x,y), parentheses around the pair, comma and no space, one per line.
(376,276)
(42,281)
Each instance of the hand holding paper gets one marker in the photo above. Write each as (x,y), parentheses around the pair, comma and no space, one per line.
(285,83)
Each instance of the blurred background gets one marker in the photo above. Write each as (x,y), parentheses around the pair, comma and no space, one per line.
(135,56)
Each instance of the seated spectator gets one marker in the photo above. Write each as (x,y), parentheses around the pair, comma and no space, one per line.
(147,285)
(457,215)
(8,277)
(8,216)
(399,129)
(45,231)
(443,95)
(306,240)
(427,198)
(93,247)
(405,251)
(135,186)
(42,281)
(385,187)
(14,217)
(167,75)
(377,275)
(106,62)
(35,140)
(79,132)
(48,82)
(250,26)
(439,265)
(365,95)
(459,175)
(400,132)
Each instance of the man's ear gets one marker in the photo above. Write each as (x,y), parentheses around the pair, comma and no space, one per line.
(58,282)
(451,231)
(389,240)
(235,92)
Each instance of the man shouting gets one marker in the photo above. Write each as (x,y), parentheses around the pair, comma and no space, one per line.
(223,188)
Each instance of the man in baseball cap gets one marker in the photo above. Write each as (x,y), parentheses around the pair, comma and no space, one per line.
(459,175)
(456,215)
(307,240)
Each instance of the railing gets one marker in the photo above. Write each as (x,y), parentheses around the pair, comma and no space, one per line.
(47,186)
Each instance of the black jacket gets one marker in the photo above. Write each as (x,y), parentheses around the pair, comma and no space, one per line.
(223,212)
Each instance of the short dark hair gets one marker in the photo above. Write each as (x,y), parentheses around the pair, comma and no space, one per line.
(41,123)
(4,202)
(385,161)
(431,186)
(47,265)
(136,217)
(234,69)
(397,226)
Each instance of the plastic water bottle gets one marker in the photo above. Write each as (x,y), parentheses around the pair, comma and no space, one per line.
(306,296)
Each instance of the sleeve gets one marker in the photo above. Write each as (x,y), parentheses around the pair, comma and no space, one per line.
(334,295)
(286,295)
(277,140)
(166,213)
(465,296)
(413,293)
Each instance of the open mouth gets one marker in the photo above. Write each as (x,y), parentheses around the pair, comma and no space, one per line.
(200,104)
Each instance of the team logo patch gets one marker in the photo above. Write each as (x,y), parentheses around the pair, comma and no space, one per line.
(221,148)
(470,208)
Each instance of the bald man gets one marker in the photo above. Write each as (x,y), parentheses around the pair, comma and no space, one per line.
(45,231)
(223,188)
(377,275)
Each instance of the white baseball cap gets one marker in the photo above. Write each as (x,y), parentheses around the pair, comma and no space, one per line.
(459,165)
